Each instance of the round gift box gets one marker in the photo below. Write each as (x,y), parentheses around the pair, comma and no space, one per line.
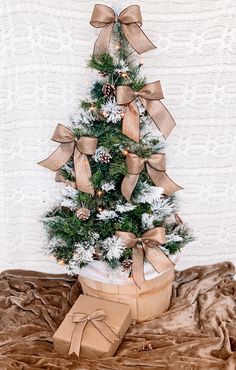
(146,303)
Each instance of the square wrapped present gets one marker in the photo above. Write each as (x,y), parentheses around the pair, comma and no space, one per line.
(93,328)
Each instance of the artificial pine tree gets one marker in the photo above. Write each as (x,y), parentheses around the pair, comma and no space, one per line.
(112,162)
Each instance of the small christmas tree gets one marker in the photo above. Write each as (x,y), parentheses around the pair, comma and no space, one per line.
(118,205)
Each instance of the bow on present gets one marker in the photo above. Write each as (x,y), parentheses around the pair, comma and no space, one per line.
(149,96)
(130,19)
(79,148)
(156,168)
(146,246)
(81,320)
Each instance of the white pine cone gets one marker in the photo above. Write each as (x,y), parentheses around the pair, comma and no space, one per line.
(83,213)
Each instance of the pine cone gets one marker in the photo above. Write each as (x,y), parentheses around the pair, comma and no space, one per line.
(105,157)
(103,74)
(108,90)
(146,347)
(83,213)
(127,264)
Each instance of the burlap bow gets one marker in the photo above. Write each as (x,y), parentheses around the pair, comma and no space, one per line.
(156,168)
(149,96)
(146,246)
(81,320)
(130,19)
(79,148)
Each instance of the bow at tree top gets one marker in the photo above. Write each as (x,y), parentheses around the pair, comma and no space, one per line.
(112,161)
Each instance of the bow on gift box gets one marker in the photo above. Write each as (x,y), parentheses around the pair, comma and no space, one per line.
(156,168)
(146,246)
(130,19)
(79,148)
(149,96)
(81,320)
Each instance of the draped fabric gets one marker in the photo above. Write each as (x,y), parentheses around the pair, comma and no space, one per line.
(197,332)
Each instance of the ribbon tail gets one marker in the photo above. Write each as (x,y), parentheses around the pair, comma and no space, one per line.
(157,258)
(101,45)
(130,126)
(160,115)
(76,338)
(137,38)
(59,157)
(160,178)
(128,185)
(83,172)
(106,331)
(137,266)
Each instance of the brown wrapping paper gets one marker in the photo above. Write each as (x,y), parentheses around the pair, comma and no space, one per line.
(93,344)
(146,303)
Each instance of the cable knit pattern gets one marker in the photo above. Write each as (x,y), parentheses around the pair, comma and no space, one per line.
(44,48)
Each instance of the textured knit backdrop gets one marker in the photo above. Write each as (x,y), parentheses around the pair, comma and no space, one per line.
(44,47)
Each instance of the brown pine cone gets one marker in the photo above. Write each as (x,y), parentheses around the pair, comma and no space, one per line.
(146,347)
(108,90)
(83,213)
(127,264)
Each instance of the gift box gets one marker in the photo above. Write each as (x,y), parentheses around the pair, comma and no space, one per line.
(93,328)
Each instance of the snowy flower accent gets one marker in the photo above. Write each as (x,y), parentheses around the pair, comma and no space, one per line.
(162,208)
(68,198)
(83,254)
(173,238)
(149,128)
(112,111)
(107,215)
(125,207)
(107,186)
(114,247)
(55,242)
(102,155)
(149,194)
(69,192)
(82,118)
(147,221)
(68,203)
(122,68)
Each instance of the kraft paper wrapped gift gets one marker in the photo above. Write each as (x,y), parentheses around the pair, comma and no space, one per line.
(93,328)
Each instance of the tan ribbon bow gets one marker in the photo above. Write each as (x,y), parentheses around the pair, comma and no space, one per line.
(81,320)
(80,148)
(156,168)
(130,19)
(146,246)
(149,96)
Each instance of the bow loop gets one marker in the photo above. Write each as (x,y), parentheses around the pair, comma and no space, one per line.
(150,96)
(146,246)
(130,19)
(156,168)
(102,15)
(79,148)
(131,14)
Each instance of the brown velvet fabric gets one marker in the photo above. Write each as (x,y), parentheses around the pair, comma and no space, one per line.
(197,332)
